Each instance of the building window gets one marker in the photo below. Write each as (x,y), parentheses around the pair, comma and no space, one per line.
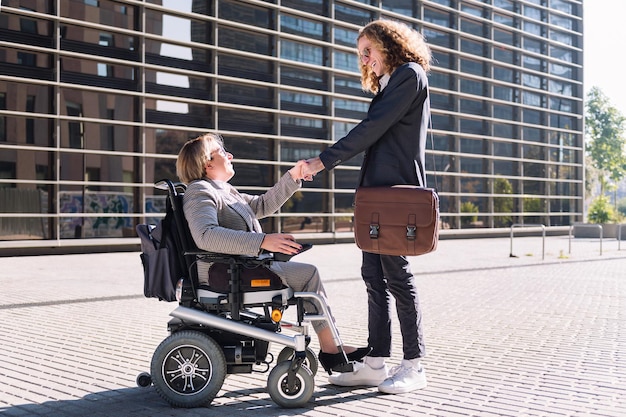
(437,17)
(297,51)
(27,59)
(3,120)
(345,37)
(30,122)
(304,27)
(8,171)
(75,127)
(28,25)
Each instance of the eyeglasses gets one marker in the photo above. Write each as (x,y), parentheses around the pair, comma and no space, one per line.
(220,151)
(365,53)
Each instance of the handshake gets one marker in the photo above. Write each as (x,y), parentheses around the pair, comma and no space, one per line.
(305,169)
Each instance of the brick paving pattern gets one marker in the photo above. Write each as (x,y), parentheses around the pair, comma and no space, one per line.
(505,336)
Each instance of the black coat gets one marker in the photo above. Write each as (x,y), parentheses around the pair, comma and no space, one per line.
(393,134)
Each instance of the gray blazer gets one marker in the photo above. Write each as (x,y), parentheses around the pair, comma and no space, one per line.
(393,134)
(221,218)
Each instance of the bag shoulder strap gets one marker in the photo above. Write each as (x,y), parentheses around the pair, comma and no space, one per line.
(432,147)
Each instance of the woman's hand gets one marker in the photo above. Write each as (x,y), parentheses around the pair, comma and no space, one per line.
(281,242)
(298,172)
(313,166)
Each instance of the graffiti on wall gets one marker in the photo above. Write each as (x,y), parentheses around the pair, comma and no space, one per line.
(95,202)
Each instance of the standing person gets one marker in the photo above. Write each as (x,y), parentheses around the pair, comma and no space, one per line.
(394,61)
(223,220)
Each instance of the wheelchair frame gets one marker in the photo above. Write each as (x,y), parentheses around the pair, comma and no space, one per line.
(213,334)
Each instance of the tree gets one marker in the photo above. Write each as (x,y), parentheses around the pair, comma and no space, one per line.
(502,204)
(621,207)
(605,142)
(601,211)
(469,207)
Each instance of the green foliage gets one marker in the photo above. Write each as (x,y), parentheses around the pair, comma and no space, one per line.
(532,205)
(621,207)
(592,176)
(605,142)
(601,211)
(502,204)
(468,207)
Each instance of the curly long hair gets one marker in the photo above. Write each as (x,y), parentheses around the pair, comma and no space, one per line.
(399,44)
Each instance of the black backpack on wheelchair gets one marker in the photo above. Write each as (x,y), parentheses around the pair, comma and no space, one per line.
(226,327)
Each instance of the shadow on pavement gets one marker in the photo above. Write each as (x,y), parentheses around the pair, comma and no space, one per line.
(138,402)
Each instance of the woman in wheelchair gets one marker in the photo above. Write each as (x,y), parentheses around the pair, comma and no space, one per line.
(223,220)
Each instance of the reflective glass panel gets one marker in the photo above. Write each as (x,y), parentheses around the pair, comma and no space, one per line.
(251,95)
(104,12)
(98,105)
(304,27)
(244,40)
(245,13)
(301,52)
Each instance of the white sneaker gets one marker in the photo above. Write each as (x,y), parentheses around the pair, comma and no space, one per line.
(404,378)
(363,374)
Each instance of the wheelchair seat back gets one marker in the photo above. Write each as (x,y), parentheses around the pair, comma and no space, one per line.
(232,279)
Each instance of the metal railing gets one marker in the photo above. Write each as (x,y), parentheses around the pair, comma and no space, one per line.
(619,235)
(583,225)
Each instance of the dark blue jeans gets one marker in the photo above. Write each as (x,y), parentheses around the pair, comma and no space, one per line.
(384,276)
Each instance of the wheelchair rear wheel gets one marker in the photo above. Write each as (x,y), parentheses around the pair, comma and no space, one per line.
(284,395)
(188,369)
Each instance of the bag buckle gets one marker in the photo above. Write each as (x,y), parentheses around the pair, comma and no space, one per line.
(410,232)
(374,231)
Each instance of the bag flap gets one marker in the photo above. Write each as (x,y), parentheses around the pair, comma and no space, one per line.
(397,193)
(396,205)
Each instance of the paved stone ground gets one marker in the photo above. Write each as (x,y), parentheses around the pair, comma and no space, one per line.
(542,333)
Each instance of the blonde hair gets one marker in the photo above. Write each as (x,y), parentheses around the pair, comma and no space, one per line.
(194,155)
(398,43)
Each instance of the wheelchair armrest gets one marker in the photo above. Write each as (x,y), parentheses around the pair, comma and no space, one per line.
(265,258)
(262,259)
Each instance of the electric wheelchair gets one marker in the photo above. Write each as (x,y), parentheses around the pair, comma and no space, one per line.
(227,328)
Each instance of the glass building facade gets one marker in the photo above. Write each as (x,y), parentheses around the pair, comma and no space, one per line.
(98,96)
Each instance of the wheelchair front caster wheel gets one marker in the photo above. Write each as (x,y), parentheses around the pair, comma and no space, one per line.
(310,362)
(294,395)
(144,380)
